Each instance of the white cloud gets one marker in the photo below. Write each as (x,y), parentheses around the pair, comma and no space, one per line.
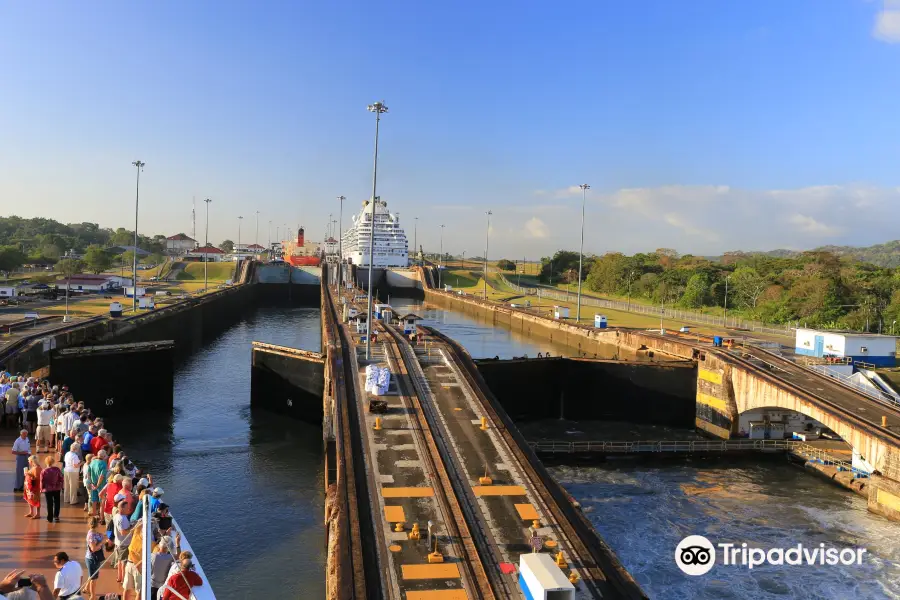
(536,228)
(808,224)
(887,23)
(689,228)
(567,192)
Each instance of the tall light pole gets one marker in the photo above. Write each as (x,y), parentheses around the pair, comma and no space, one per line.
(206,249)
(584,188)
(340,278)
(239,233)
(378,108)
(725,305)
(137,194)
(441,261)
(269,248)
(464,260)
(416,237)
(487,243)
(256,241)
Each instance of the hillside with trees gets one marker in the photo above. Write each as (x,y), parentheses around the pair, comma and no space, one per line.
(817,288)
(45,241)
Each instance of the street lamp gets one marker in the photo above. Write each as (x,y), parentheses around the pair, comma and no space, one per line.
(464,260)
(256,241)
(269,249)
(340,277)
(416,237)
(487,243)
(378,108)
(441,261)
(239,234)
(206,249)
(137,194)
(584,188)
(725,305)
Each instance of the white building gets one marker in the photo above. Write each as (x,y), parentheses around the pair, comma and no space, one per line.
(92,283)
(872,348)
(8,292)
(209,253)
(180,244)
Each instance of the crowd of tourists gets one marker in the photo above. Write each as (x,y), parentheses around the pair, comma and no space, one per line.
(74,459)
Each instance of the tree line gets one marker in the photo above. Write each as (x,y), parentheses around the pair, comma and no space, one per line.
(816,288)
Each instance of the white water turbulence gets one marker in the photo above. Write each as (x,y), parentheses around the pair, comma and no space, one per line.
(643,512)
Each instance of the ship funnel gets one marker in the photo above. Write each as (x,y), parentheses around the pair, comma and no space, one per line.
(300,237)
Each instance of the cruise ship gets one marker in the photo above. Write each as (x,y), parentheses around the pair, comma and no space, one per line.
(391,245)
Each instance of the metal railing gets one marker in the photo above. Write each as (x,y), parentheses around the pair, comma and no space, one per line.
(847,380)
(661,446)
(656,311)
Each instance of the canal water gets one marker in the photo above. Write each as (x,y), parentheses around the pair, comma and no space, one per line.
(246,486)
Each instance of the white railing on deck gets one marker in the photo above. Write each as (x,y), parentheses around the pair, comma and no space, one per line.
(661,446)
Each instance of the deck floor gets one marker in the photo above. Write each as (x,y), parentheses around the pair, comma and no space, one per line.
(31,543)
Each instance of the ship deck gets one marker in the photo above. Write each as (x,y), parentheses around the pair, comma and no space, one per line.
(31,543)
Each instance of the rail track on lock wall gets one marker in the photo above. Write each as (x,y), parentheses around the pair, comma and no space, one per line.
(479,568)
(608,577)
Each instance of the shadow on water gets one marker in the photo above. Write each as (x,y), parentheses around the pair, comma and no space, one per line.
(245,485)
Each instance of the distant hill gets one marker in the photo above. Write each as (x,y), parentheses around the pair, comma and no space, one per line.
(883,255)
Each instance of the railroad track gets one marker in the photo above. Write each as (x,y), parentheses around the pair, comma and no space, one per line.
(608,577)
(446,483)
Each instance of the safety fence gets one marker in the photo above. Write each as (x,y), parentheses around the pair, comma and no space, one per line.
(660,446)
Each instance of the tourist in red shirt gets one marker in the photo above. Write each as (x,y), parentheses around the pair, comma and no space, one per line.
(182,581)
(99,442)
(112,488)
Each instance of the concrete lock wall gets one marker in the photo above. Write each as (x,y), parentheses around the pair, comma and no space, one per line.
(549,388)
(104,376)
(288,380)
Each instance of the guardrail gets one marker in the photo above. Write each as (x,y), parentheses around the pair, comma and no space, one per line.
(848,381)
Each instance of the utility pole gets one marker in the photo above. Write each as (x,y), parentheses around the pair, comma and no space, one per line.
(239,234)
(441,262)
(340,244)
(379,109)
(487,243)
(206,249)
(137,194)
(584,188)
(725,306)
(256,241)
(416,237)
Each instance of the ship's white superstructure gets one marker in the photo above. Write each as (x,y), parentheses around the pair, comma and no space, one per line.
(391,245)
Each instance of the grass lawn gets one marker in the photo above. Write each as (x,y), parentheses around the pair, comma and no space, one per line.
(218,272)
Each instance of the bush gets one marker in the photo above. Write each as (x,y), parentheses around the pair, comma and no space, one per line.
(505,264)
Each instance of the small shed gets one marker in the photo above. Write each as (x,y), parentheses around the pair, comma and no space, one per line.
(360,323)
(130,290)
(408,322)
(541,579)
(600,321)
(115,309)
(8,292)
(380,309)
(880,350)
(560,312)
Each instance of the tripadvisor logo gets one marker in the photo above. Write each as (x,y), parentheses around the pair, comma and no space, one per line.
(696,555)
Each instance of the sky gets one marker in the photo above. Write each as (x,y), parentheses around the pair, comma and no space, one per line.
(702,125)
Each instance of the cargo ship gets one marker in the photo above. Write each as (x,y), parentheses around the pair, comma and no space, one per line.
(301,253)
(391,245)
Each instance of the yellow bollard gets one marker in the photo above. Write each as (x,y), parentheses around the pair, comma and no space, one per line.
(435,557)
(415,534)
(484,424)
(884,420)
(535,524)
(377,423)
(561,561)
(573,578)
(398,527)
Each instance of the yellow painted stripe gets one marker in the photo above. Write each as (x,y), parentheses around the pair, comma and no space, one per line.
(394,514)
(407,492)
(710,376)
(438,595)
(720,432)
(436,571)
(887,499)
(716,403)
(499,490)
(527,512)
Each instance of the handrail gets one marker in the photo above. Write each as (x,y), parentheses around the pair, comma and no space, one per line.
(856,386)
(660,446)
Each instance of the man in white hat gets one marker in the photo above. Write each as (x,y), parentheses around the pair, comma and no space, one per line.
(45,434)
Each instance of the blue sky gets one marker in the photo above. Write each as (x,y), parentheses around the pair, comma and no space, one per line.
(702,125)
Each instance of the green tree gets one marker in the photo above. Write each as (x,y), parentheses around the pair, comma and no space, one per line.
(155,259)
(504,264)
(96,259)
(608,273)
(227,246)
(11,258)
(127,258)
(696,292)
(748,286)
(70,267)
